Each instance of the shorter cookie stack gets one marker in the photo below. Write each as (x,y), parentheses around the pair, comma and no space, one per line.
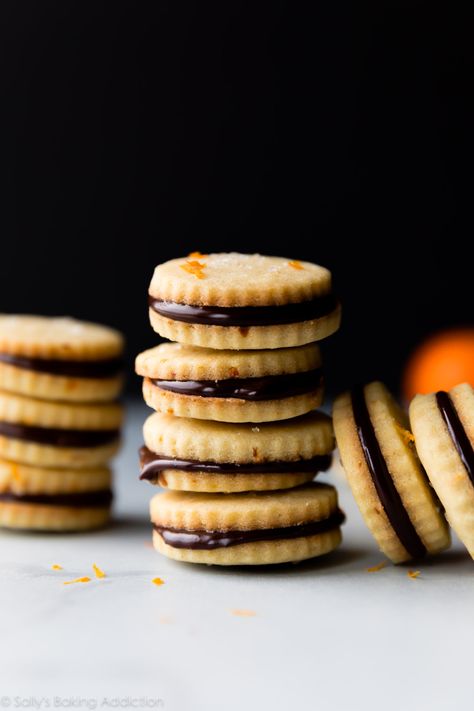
(59,422)
(404,483)
(234,437)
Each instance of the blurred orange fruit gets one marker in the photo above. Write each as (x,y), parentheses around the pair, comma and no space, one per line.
(440,363)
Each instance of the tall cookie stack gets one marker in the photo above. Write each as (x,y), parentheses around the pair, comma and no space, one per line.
(235,438)
(59,422)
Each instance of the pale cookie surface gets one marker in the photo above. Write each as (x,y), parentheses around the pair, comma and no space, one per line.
(233,279)
(254,512)
(23,479)
(292,440)
(29,411)
(385,475)
(61,338)
(447,454)
(57,457)
(35,517)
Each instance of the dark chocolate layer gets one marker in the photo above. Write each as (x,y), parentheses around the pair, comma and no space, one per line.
(383,482)
(95,369)
(266,387)
(208,540)
(457,432)
(152,464)
(87,499)
(246,316)
(56,436)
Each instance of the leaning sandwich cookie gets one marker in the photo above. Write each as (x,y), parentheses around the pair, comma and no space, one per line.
(60,358)
(231,386)
(254,528)
(204,456)
(443,425)
(386,477)
(38,498)
(242,301)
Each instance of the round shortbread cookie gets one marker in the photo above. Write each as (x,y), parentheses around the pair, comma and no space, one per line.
(200,455)
(23,479)
(443,425)
(61,519)
(60,358)
(50,434)
(242,301)
(385,475)
(247,529)
(231,386)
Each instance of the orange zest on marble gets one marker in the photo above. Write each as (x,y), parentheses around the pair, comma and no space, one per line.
(158,581)
(243,613)
(85,579)
(56,567)
(376,568)
(98,572)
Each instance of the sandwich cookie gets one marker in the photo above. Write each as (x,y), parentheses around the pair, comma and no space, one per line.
(35,498)
(242,301)
(231,386)
(443,425)
(54,434)
(386,477)
(247,529)
(199,455)
(60,359)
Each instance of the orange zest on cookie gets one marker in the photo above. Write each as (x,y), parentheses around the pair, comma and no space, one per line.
(194,267)
(243,613)
(98,572)
(295,264)
(85,579)
(56,567)
(406,435)
(413,574)
(197,255)
(158,581)
(376,568)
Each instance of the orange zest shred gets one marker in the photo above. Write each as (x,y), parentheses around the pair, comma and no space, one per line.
(158,581)
(296,264)
(413,574)
(56,567)
(376,568)
(197,255)
(85,579)
(244,613)
(194,267)
(98,572)
(406,435)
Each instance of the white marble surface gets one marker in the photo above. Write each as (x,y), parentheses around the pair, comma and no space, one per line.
(325,635)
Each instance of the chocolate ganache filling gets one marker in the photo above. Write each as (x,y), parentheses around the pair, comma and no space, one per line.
(89,499)
(383,482)
(246,316)
(456,431)
(208,540)
(57,436)
(152,464)
(94,369)
(266,387)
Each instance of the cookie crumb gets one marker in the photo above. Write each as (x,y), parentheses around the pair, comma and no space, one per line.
(243,613)
(376,568)
(296,264)
(85,579)
(158,581)
(98,572)
(413,574)
(56,567)
(255,429)
(194,267)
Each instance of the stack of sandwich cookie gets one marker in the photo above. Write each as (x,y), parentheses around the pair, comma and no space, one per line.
(59,421)
(234,430)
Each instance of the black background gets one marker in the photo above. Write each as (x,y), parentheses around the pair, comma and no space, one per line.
(342,133)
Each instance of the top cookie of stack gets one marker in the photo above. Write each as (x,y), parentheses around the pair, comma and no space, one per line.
(242,301)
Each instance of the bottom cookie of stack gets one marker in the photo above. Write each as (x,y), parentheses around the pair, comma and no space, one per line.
(252,528)
(40,499)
